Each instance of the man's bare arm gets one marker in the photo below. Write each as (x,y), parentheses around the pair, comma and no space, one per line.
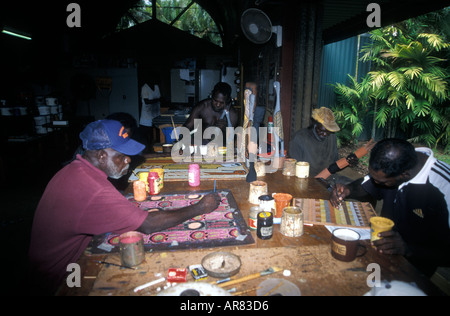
(159,221)
(195,114)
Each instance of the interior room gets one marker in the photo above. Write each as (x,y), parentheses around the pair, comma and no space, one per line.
(70,63)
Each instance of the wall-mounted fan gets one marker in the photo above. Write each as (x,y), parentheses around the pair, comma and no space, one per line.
(258,28)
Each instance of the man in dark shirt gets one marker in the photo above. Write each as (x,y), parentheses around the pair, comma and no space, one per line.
(316,144)
(415,190)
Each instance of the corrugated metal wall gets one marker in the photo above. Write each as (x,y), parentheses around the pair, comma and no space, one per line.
(339,61)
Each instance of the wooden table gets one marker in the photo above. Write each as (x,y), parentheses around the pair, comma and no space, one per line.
(313,270)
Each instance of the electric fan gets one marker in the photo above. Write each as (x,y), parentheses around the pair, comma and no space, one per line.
(258,28)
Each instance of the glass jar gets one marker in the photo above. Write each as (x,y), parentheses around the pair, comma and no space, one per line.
(265,225)
(252,220)
(292,222)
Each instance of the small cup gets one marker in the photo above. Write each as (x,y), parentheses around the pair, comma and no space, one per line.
(260,168)
(282,200)
(139,190)
(257,188)
(378,225)
(131,249)
(345,244)
(289,167)
(292,222)
(167,148)
(302,169)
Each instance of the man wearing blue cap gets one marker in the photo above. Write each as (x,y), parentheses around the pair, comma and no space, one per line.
(79,202)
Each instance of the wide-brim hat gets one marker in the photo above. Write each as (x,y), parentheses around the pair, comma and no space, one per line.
(109,134)
(326,117)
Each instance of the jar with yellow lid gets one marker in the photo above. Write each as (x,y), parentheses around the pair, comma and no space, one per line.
(265,225)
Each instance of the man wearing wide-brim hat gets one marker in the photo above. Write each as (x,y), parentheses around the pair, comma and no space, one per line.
(317,144)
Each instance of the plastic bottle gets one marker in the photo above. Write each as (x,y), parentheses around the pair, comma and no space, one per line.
(194,175)
(153,183)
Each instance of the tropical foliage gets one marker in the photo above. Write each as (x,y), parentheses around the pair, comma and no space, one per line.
(185,15)
(353,105)
(408,88)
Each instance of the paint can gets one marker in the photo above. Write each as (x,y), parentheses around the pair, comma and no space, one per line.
(257,188)
(302,169)
(131,249)
(289,167)
(292,222)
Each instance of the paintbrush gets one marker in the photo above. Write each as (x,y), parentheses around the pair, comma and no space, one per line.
(275,288)
(114,264)
(251,276)
(246,291)
(174,129)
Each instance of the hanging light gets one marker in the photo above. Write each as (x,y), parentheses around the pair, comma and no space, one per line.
(10,31)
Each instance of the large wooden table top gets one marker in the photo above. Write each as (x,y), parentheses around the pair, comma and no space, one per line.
(313,270)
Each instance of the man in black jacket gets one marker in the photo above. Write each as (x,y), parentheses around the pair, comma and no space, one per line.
(415,190)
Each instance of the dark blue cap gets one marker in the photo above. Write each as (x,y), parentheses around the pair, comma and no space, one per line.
(109,134)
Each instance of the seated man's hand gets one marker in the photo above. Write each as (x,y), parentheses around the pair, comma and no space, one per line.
(352,160)
(338,194)
(391,243)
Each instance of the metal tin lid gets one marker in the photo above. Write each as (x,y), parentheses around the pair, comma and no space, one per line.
(266,198)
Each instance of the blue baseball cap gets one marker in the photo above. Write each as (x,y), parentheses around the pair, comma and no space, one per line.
(109,134)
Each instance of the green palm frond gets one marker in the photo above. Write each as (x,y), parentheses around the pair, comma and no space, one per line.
(397,80)
(410,99)
(378,79)
(411,72)
(382,115)
(434,40)
(408,81)
(395,98)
